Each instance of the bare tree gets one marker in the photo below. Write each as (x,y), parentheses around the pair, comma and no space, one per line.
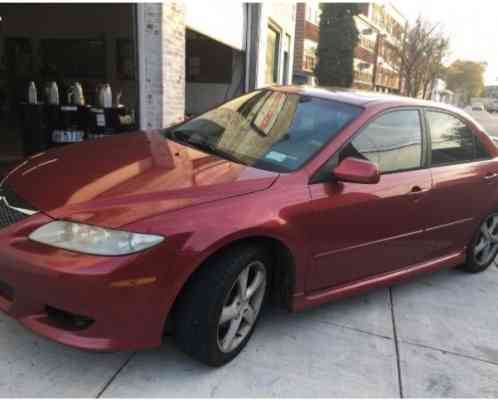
(421,57)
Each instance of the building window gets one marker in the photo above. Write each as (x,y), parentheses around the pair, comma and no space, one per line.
(382,18)
(309,54)
(272,53)
(363,76)
(367,43)
(309,63)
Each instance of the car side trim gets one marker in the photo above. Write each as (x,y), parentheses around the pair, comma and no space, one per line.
(401,236)
(303,301)
(446,225)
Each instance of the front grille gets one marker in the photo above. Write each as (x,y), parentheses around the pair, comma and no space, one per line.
(8,215)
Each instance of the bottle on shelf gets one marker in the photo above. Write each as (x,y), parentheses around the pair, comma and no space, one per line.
(53,93)
(78,97)
(105,96)
(32,94)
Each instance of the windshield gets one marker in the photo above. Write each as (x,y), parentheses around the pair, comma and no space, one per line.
(267,129)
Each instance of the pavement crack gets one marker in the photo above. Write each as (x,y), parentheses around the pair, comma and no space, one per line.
(444,351)
(362,331)
(113,377)
(396,344)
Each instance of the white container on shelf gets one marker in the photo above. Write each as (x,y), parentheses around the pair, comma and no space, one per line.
(53,93)
(78,97)
(105,96)
(32,94)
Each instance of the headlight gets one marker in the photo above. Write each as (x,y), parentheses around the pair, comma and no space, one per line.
(92,239)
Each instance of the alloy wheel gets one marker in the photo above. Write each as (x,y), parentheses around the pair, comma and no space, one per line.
(487,243)
(242,306)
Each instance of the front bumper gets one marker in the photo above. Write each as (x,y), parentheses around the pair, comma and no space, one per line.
(35,279)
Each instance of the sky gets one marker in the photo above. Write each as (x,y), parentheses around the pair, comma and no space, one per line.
(472,26)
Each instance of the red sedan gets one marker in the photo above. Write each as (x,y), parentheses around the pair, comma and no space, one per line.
(295,195)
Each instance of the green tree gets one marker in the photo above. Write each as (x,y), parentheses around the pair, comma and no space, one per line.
(338,40)
(467,77)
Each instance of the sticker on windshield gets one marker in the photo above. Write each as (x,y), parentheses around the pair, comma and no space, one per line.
(276,156)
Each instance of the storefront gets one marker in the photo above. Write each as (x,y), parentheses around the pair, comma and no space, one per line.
(58,51)
(158,62)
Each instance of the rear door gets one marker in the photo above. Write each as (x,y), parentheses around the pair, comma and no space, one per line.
(464,175)
(361,230)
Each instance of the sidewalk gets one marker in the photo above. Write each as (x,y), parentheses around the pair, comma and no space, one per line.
(432,337)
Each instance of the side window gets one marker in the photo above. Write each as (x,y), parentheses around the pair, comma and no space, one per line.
(393,142)
(452,141)
(481,152)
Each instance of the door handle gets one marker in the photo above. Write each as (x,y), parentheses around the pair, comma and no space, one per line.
(490,176)
(417,190)
(417,193)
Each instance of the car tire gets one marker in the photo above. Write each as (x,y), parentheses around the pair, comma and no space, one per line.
(483,248)
(212,305)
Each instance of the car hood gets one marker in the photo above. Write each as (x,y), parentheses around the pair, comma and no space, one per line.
(119,180)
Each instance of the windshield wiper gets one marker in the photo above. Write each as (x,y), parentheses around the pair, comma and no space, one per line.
(211,149)
(184,138)
(178,135)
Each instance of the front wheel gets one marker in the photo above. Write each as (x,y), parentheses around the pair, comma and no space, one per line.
(217,313)
(484,246)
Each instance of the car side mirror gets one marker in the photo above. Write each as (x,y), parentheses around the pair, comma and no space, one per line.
(357,171)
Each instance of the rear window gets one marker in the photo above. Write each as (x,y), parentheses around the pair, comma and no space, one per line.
(452,141)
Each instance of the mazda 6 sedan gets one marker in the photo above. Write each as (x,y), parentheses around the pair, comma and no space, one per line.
(290,195)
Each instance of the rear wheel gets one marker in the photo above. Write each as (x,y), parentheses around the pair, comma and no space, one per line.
(484,247)
(218,310)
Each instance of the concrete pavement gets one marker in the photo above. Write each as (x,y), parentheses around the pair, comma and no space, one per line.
(436,336)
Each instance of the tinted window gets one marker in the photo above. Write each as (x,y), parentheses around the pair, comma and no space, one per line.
(393,142)
(267,129)
(452,141)
(481,152)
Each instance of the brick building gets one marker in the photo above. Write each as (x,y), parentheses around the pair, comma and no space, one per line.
(306,41)
(376,67)
(165,59)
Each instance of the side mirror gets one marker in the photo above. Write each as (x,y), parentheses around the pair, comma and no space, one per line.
(357,171)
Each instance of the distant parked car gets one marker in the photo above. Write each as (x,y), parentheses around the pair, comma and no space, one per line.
(493,106)
(478,107)
(295,195)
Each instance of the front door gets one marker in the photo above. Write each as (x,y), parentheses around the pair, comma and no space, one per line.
(361,230)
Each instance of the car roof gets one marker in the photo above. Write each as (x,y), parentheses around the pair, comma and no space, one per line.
(361,98)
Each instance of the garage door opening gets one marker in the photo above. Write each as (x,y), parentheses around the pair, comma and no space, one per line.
(214,73)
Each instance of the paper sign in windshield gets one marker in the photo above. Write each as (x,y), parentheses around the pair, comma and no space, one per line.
(276,156)
(269,112)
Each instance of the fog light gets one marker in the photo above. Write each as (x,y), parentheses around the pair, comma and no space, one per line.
(67,320)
